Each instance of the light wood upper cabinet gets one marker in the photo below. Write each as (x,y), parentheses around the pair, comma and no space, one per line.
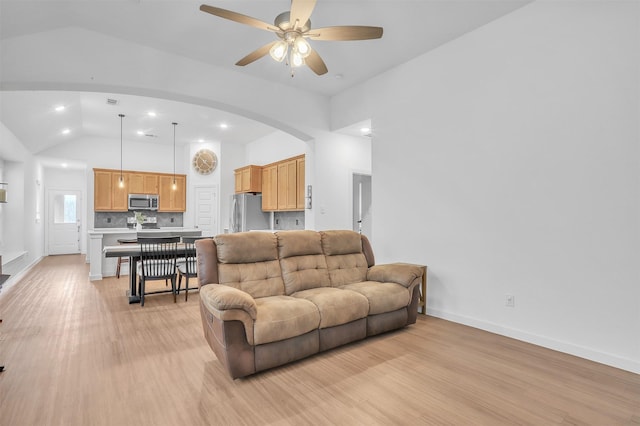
(143,183)
(172,200)
(248,179)
(101,190)
(119,194)
(300,184)
(270,188)
(109,196)
(283,185)
(287,185)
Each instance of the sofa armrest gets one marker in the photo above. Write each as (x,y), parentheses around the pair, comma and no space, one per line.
(404,274)
(219,298)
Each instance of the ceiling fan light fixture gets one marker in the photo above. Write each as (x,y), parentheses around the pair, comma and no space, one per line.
(302,46)
(293,27)
(279,50)
(296,59)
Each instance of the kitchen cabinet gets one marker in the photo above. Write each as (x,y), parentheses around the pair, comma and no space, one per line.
(300,186)
(283,185)
(248,179)
(101,190)
(270,188)
(143,183)
(287,185)
(119,194)
(172,200)
(108,195)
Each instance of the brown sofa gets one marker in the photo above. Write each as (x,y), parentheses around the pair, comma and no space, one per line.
(267,299)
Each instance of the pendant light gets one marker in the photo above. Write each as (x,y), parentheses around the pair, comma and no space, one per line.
(121,181)
(175,186)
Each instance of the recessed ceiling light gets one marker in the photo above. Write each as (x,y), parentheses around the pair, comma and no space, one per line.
(64,165)
(140,132)
(60,108)
(224,125)
(200,140)
(151,114)
(365,130)
(66,131)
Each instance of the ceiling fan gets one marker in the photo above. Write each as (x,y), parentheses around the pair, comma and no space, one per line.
(293,28)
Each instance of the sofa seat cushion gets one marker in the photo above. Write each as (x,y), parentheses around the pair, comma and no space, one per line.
(282,317)
(383,297)
(336,306)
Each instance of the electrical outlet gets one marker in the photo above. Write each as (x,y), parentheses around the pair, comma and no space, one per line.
(510,301)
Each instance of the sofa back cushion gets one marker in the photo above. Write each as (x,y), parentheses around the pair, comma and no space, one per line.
(302,262)
(249,261)
(345,258)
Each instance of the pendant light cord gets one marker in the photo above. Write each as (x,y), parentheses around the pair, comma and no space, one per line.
(121,117)
(174,153)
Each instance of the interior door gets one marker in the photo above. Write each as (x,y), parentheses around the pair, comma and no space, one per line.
(362,204)
(64,221)
(206,199)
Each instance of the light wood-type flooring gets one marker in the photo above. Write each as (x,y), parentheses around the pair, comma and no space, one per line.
(76,353)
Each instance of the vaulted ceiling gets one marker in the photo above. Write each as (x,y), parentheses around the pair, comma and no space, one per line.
(411,28)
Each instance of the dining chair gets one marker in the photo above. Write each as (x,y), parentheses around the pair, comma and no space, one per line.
(157,262)
(123,259)
(187,267)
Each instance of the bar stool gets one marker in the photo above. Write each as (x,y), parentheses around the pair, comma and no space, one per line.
(121,259)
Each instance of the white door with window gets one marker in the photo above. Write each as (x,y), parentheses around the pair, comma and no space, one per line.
(206,199)
(64,221)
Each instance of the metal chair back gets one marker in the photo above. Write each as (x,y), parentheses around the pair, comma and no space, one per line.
(190,254)
(158,257)
(188,267)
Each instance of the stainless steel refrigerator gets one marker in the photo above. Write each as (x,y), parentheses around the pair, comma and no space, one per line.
(247,214)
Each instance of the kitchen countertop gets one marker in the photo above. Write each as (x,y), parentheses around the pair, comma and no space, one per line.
(97,231)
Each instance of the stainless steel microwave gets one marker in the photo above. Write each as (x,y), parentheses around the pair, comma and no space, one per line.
(143,202)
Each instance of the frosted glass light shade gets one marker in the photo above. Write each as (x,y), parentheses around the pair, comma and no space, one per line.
(296,59)
(278,51)
(302,46)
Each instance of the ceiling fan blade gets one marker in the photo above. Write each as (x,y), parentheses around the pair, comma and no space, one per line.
(351,32)
(238,17)
(315,62)
(256,54)
(301,10)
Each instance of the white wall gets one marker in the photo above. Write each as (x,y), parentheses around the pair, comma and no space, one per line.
(274,147)
(507,161)
(13,211)
(3,213)
(20,221)
(337,158)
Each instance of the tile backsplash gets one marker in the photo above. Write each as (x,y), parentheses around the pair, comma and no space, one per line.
(288,220)
(119,219)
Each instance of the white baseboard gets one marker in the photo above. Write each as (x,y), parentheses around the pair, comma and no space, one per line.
(568,348)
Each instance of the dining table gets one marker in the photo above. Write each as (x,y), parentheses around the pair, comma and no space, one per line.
(132,251)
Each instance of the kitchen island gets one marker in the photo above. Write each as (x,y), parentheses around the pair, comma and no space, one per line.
(99,266)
